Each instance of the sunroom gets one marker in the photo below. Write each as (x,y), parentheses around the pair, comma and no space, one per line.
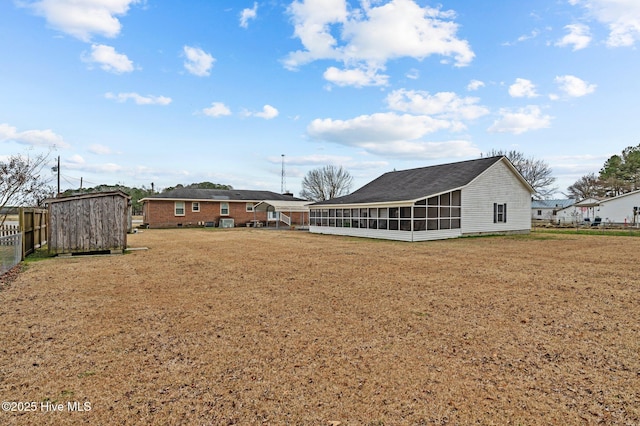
(422,219)
(431,203)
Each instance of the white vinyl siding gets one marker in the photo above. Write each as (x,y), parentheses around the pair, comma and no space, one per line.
(619,209)
(498,184)
(473,209)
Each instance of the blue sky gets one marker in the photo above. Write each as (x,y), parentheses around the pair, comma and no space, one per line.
(141,91)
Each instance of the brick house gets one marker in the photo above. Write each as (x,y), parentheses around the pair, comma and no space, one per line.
(185,207)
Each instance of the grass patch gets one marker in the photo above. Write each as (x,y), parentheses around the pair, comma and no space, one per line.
(629,232)
(296,328)
(39,254)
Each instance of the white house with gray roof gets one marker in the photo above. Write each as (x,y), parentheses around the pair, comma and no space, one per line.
(548,209)
(483,196)
(620,210)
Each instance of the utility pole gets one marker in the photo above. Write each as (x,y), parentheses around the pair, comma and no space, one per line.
(57,169)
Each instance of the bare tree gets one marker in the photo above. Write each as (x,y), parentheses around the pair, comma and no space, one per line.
(586,187)
(536,172)
(325,183)
(21,182)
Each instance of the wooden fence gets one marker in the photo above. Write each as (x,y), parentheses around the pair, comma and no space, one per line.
(32,229)
(33,224)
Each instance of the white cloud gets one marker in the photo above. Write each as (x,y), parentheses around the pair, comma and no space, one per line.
(413,74)
(355,77)
(82,19)
(139,99)
(108,59)
(75,159)
(44,138)
(391,135)
(198,61)
(579,37)
(100,149)
(621,16)
(475,85)
(533,34)
(248,14)
(322,159)
(372,35)
(523,88)
(268,112)
(77,163)
(217,109)
(424,150)
(442,104)
(401,133)
(573,86)
(520,121)
(311,19)
(375,128)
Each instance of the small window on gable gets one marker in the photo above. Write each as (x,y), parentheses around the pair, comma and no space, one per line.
(499,213)
(224,209)
(249,207)
(195,206)
(178,208)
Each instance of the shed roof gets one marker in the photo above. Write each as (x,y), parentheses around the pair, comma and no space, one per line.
(588,202)
(592,202)
(552,204)
(413,184)
(88,195)
(220,195)
(283,206)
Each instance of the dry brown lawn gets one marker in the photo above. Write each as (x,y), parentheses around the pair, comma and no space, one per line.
(284,327)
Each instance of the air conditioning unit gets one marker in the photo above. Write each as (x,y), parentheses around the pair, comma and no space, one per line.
(226,223)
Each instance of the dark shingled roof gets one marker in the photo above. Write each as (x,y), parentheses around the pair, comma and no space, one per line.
(412,184)
(222,194)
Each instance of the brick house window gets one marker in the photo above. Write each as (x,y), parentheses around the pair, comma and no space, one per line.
(249,207)
(224,209)
(178,208)
(195,206)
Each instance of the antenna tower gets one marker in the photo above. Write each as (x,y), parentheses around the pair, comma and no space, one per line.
(282,177)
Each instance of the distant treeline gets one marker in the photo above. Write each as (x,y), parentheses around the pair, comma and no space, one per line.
(137,194)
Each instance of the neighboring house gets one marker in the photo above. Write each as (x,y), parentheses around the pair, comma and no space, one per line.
(548,209)
(622,210)
(483,196)
(218,207)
